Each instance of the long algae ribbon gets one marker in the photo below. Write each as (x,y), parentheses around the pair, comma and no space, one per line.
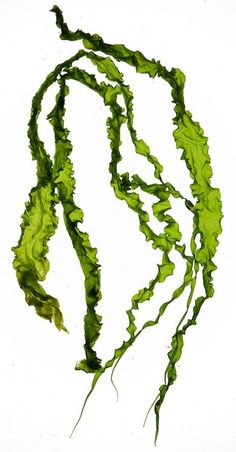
(56,183)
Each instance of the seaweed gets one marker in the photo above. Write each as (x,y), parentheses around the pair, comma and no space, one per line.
(56,184)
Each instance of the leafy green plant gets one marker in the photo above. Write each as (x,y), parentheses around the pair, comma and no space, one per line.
(56,184)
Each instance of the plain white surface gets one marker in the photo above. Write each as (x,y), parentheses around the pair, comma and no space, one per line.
(41,394)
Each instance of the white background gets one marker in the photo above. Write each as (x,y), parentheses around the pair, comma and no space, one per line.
(40,393)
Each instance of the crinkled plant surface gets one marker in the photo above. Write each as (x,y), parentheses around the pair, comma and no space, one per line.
(56,184)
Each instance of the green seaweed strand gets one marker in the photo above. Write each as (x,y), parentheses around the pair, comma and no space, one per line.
(65,184)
